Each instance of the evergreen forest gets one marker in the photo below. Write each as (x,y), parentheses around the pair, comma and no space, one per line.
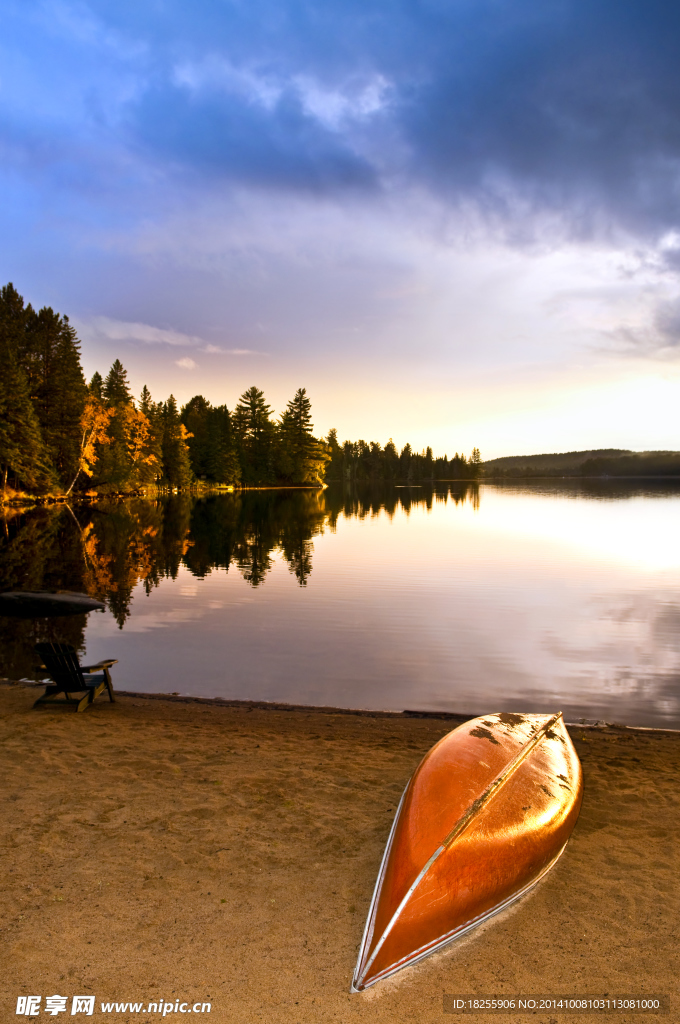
(62,435)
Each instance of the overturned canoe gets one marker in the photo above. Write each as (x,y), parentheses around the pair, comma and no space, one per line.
(487,812)
(26,604)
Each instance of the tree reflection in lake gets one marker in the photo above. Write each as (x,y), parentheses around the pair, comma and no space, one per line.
(108,548)
(41,550)
(246,528)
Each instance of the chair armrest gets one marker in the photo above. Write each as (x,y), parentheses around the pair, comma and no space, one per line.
(100,664)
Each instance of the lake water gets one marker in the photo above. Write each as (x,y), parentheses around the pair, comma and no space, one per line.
(458,598)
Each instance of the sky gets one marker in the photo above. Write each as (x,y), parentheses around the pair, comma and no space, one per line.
(454,222)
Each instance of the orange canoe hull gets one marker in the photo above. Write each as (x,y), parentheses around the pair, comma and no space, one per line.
(486,814)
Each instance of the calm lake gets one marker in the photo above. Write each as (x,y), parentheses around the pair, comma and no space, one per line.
(458,598)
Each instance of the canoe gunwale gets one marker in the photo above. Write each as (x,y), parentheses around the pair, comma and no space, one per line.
(457,933)
(370,920)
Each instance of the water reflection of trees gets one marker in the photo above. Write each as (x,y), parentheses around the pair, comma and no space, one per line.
(41,551)
(246,529)
(108,549)
(364,501)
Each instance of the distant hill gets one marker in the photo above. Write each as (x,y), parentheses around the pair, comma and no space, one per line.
(562,462)
(602,462)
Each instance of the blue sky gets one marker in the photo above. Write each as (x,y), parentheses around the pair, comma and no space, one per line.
(455,223)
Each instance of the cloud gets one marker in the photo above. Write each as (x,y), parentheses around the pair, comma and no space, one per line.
(229,136)
(569,109)
(518,112)
(109,329)
(186,363)
(654,335)
(515,110)
(215,350)
(122,330)
(667,324)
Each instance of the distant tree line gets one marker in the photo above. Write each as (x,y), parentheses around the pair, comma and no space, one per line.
(61,434)
(362,462)
(639,464)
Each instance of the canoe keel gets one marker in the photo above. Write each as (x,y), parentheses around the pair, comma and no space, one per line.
(485,816)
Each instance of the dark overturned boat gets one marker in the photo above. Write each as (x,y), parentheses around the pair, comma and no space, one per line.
(29,604)
(486,814)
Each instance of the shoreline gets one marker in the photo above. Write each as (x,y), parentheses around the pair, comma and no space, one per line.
(41,500)
(327,709)
(51,500)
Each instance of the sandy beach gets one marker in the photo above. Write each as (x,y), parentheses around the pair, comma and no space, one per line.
(158,849)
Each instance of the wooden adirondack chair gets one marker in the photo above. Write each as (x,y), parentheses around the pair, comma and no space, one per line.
(61,661)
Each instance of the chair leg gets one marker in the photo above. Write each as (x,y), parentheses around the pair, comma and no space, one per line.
(95,691)
(109,685)
(82,704)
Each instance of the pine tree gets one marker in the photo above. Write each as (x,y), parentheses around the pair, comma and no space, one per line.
(176,460)
(255,413)
(302,459)
(256,438)
(13,319)
(145,401)
(195,416)
(406,463)
(296,443)
(222,457)
(334,470)
(154,443)
(374,461)
(350,461)
(130,457)
(51,360)
(299,410)
(211,442)
(116,387)
(391,460)
(155,418)
(23,456)
(428,468)
(475,464)
(96,386)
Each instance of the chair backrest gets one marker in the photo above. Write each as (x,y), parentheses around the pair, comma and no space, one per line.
(61,661)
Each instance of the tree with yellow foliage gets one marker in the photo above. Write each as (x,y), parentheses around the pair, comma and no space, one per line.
(94,423)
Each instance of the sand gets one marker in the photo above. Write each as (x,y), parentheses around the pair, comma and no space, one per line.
(177,850)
